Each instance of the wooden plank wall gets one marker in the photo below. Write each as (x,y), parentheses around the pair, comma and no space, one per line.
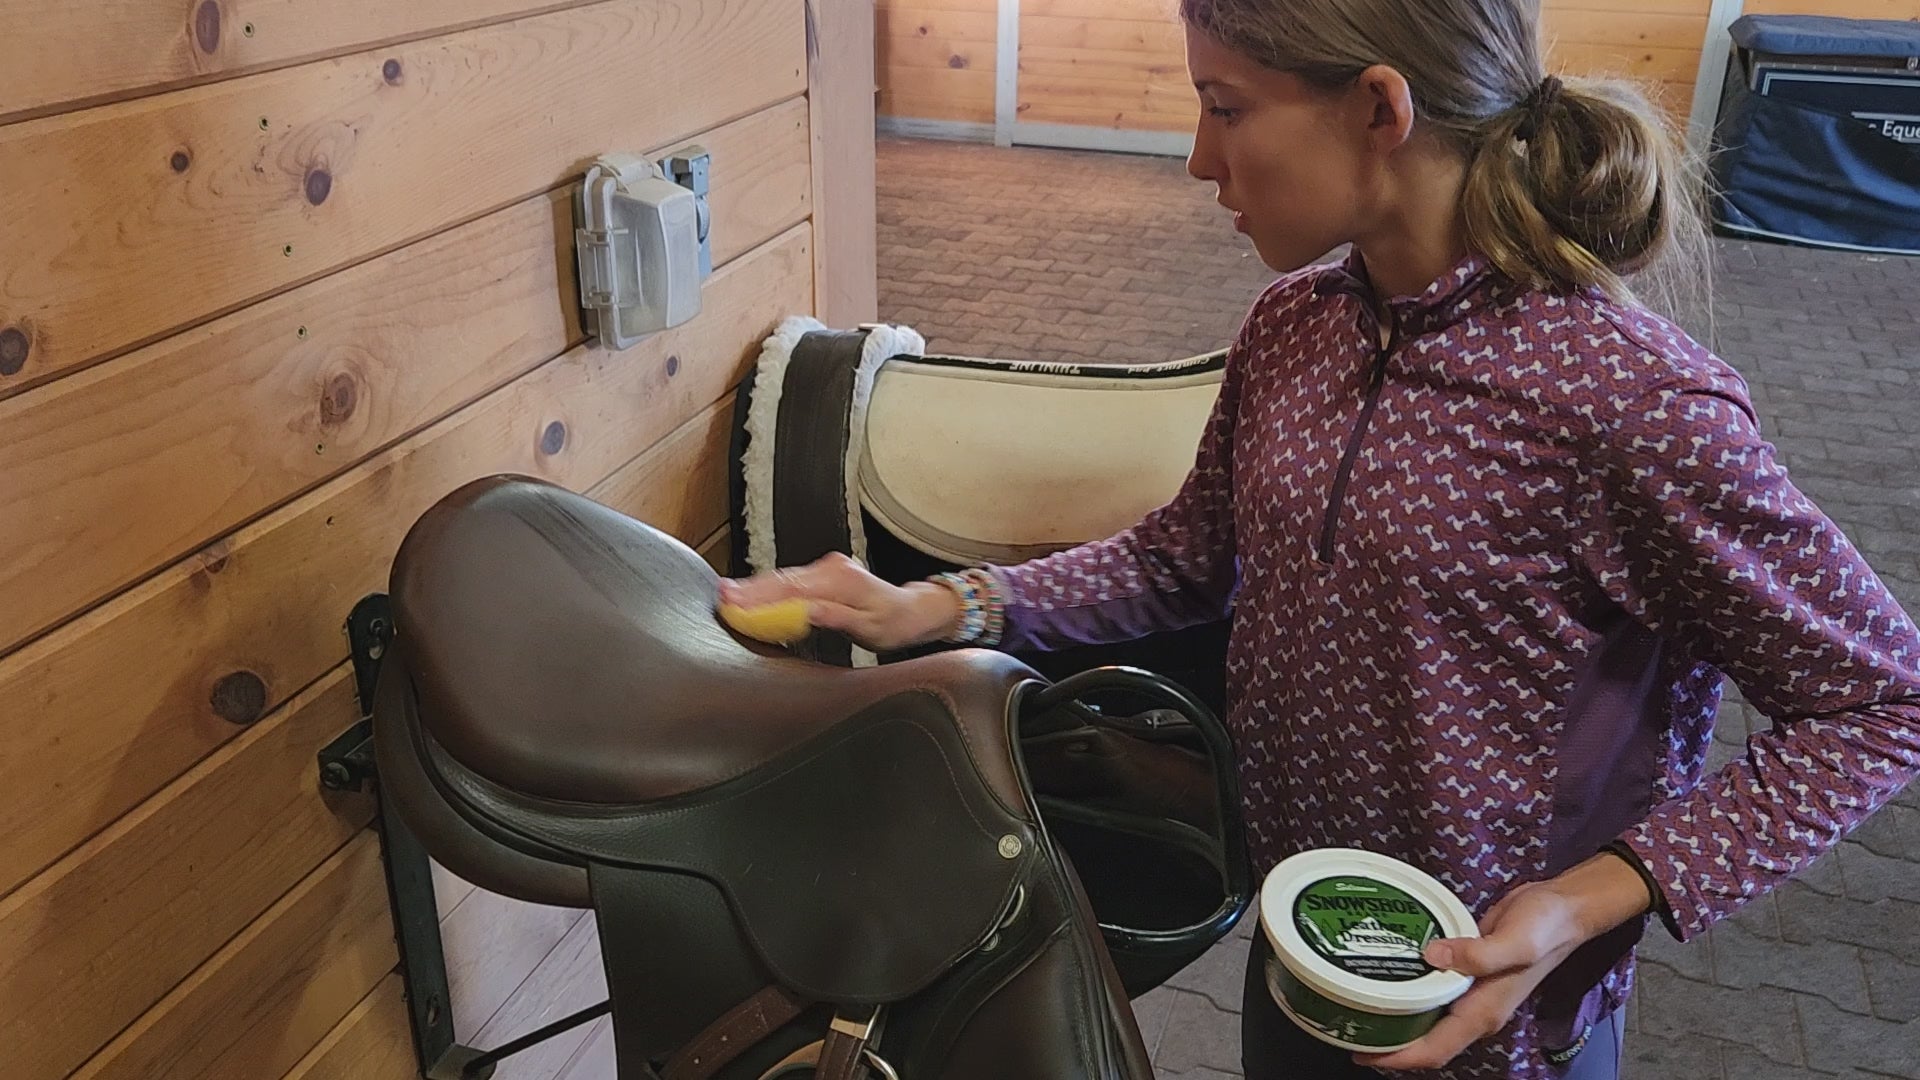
(1105,63)
(1654,42)
(274,277)
(935,58)
(1121,63)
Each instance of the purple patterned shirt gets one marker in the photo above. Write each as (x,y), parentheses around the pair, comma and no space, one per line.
(1488,554)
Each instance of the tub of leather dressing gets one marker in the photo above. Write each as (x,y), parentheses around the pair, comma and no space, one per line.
(1347,929)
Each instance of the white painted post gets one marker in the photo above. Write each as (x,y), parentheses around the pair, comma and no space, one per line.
(1006,73)
(1712,76)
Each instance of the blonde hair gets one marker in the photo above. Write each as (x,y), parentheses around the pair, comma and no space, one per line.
(1570,183)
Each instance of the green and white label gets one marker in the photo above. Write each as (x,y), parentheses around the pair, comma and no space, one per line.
(1366,927)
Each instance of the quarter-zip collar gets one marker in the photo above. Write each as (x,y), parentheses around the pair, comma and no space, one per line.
(1470,285)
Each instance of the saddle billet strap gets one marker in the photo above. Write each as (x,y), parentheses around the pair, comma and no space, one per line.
(843,1052)
(739,1028)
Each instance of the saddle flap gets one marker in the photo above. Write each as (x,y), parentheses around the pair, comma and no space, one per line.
(859,867)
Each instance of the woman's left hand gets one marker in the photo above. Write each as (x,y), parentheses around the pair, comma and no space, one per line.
(1522,939)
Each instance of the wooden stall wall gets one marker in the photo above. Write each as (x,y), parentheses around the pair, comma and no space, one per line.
(935,59)
(1121,65)
(1104,64)
(274,277)
(1657,43)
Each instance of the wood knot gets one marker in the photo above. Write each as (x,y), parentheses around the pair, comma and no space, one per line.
(206,26)
(554,439)
(319,186)
(213,558)
(14,347)
(240,698)
(391,71)
(673,366)
(180,161)
(956,61)
(338,400)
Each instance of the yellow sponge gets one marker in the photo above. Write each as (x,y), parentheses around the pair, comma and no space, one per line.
(782,622)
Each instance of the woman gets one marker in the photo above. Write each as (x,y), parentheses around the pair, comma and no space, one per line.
(1490,530)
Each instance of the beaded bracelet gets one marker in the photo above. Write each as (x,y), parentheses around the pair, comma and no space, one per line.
(982,607)
(972,621)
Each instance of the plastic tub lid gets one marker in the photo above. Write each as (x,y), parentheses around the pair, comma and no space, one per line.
(1350,925)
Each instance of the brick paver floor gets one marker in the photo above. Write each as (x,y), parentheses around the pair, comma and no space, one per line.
(1056,255)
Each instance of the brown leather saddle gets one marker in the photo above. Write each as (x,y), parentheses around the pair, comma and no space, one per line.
(793,865)
(856,442)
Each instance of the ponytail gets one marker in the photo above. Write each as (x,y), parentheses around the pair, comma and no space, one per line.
(1581,185)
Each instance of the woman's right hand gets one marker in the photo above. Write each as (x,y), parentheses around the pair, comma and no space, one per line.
(842,595)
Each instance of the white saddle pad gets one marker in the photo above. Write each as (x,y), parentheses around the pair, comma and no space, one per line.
(997,461)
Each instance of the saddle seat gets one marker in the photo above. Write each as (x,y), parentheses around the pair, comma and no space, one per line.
(562,719)
(564,651)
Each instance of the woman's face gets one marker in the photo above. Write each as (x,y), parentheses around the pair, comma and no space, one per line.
(1298,166)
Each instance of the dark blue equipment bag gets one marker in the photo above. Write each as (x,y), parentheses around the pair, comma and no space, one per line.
(1818,137)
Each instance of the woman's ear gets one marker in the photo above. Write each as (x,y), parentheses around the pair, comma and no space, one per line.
(1388,104)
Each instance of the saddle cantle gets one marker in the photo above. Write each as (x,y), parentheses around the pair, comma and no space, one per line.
(792,865)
